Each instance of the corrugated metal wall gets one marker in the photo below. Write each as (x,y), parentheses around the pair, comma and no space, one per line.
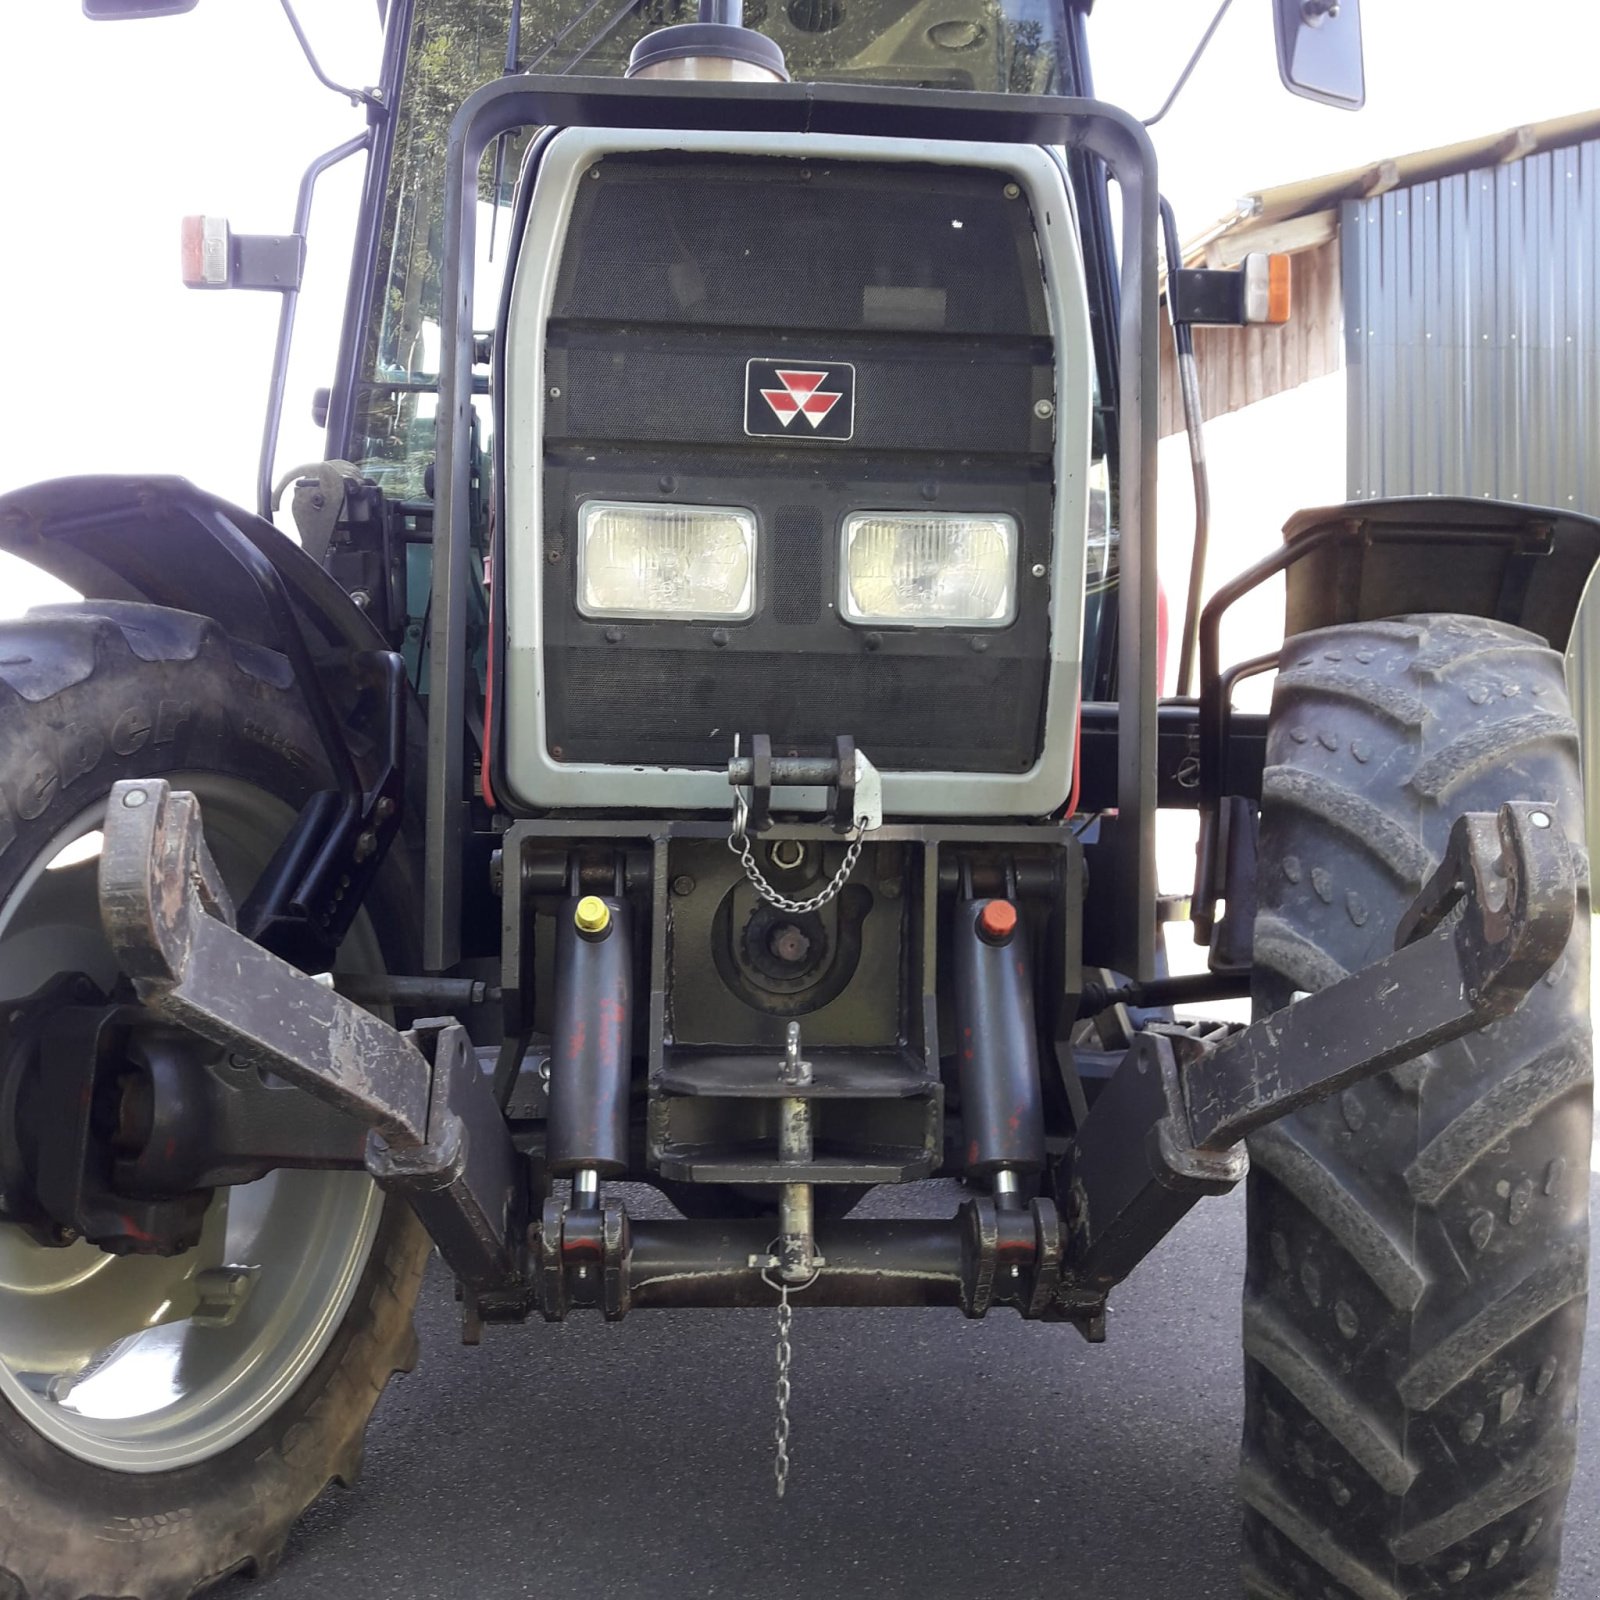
(1472,337)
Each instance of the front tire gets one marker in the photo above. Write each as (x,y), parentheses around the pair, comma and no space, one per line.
(129,1494)
(1418,1245)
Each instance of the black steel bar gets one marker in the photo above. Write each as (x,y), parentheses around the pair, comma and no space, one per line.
(1189,989)
(1189,394)
(356,97)
(1168,1126)
(338,439)
(416,994)
(1406,1004)
(291,299)
(1213,717)
(1177,755)
(893,1262)
(159,895)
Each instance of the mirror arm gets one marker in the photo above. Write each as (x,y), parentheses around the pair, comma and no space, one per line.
(370,98)
(1194,61)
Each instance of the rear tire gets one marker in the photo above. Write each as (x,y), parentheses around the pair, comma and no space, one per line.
(1418,1245)
(88,695)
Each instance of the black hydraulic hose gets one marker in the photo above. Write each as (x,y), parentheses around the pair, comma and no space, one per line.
(1189,396)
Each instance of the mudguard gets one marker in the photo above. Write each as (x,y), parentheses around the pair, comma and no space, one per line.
(164,541)
(1498,559)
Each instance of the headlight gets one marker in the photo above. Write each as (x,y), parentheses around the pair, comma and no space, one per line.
(648,560)
(932,568)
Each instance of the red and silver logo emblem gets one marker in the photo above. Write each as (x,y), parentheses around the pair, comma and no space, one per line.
(784,399)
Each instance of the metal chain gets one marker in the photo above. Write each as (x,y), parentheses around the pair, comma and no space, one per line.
(780,1434)
(739,843)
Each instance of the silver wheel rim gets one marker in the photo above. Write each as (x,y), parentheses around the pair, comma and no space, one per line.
(133,1362)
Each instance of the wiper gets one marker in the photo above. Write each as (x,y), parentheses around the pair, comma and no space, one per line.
(556,43)
(614,22)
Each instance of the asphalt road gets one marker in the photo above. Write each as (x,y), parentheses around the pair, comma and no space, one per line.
(932,1456)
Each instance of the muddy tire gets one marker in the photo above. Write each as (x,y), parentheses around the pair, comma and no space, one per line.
(1418,1246)
(88,695)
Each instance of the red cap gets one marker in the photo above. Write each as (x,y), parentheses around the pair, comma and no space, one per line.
(997,921)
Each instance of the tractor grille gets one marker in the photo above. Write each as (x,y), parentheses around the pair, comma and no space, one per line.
(678,270)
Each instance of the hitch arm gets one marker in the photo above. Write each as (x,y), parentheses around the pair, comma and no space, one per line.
(1168,1126)
(1512,876)
(436,1134)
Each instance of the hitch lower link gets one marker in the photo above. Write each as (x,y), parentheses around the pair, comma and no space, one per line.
(1170,1124)
(436,1134)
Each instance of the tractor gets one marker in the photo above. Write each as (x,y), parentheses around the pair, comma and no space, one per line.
(698,763)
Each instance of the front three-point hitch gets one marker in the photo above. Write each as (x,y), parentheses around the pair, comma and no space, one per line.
(1166,1128)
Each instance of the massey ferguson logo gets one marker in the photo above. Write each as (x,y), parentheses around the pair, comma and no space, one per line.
(787,400)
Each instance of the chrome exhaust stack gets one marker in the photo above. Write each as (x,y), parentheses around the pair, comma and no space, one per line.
(717,48)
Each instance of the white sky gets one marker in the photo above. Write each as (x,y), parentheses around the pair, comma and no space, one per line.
(115,367)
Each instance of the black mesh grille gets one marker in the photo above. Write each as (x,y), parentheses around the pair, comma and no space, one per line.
(934,398)
(799,245)
(679,270)
(797,564)
(972,714)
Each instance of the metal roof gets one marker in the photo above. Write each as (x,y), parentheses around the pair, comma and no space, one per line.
(1300,215)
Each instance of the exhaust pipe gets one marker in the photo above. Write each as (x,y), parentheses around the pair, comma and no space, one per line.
(716,49)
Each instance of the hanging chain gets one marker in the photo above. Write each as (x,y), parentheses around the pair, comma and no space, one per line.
(739,843)
(780,1433)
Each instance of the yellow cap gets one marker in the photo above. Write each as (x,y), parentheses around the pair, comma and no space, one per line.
(592,916)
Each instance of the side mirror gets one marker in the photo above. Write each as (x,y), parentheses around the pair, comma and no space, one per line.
(1319,50)
(127,10)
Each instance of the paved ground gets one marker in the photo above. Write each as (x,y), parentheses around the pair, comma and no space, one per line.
(933,1457)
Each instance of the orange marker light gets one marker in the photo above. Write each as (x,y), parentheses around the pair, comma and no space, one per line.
(1278,282)
(997,922)
(1266,287)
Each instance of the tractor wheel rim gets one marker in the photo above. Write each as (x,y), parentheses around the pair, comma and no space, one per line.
(95,1353)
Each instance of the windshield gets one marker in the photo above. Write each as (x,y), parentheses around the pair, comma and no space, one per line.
(1007,46)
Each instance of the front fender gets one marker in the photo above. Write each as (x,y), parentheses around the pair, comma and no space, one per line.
(162,540)
(1500,559)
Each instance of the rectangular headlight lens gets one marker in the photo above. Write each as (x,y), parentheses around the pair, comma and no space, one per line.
(934,568)
(650,560)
